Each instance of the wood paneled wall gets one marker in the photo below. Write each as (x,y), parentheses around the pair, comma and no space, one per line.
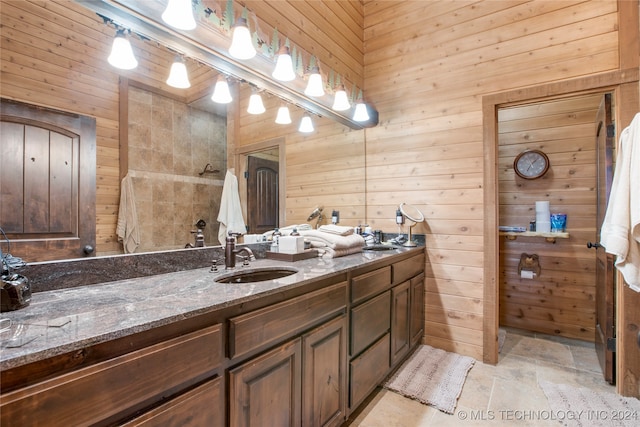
(561,301)
(427,66)
(424,65)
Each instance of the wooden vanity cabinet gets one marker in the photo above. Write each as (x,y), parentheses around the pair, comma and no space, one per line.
(301,381)
(116,389)
(387,317)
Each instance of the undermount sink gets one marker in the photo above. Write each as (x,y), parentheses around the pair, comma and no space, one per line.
(256,275)
(380,248)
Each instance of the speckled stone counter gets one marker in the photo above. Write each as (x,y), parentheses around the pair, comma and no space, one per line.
(62,320)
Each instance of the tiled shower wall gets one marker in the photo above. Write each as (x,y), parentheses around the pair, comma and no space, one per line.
(170,143)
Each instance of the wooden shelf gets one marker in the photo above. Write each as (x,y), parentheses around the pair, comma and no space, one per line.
(549,237)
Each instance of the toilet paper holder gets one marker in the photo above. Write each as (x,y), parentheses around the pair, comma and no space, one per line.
(529,262)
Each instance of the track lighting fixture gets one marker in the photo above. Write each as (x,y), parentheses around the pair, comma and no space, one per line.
(284,66)
(314,86)
(221,93)
(340,100)
(179,14)
(306,125)
(178,76)
(241,42)
(121,53)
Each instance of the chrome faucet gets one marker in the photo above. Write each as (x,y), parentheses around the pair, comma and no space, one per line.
(230,251)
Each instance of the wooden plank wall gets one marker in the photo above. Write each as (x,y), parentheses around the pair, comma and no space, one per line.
(427,66)
(561,301)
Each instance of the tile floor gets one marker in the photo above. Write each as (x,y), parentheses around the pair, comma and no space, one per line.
(506,394)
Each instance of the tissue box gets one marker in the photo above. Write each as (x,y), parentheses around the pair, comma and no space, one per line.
(291,244)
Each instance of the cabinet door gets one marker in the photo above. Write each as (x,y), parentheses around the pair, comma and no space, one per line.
(400,335)
(324,377)
(266,390)
(417,309)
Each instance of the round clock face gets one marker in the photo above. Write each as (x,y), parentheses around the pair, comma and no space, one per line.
(531,164)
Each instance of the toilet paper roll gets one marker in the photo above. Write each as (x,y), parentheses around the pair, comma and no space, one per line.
(542,206)
(543,226)
(526,274)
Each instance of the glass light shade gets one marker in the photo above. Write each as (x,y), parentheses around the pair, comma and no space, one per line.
(360,114)
(283,117)
(241,43)
(284,66)
(314,86)
(221,93)
(341,101)
(178,77)
(121,53)
(255,104)
(306,125)
(179,14)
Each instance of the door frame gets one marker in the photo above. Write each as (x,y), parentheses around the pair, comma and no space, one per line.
(623,83)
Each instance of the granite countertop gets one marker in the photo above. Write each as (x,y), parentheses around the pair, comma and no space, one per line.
(64,320)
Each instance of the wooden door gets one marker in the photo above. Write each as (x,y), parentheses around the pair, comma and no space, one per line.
(266,390)
(47,182)
(324,377)
(262,195)
(605,273)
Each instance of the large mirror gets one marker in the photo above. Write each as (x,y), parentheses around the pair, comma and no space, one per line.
(172,194)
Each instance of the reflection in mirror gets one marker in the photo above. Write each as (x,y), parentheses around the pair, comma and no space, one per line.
(169,145)
(263,190)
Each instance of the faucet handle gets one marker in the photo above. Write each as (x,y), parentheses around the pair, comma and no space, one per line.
(245,261)
(214,266)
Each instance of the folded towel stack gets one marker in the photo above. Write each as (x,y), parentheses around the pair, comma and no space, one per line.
(330,244)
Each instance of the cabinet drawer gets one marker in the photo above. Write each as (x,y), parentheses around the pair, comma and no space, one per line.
(275,323)
(406,269)
(369,321)
(367,370)
(108,388)
(370,284)
(202,406)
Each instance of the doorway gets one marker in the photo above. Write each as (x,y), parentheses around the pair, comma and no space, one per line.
(625,87)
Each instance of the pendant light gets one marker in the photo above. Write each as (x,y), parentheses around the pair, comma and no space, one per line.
(178,77)
(179,14)
(241,43)
(340,100)
(284,66)
(306,125)
(283,117)
(360,114)
(314,86)
(255,103)
(221,93)
(121,53)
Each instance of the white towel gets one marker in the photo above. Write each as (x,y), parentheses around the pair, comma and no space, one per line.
(333,241)
(336,229)
(230,215)
(127,229)
(620,233)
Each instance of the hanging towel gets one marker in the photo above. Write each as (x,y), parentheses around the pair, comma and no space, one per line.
(127,229)
(230,215)
(620,233)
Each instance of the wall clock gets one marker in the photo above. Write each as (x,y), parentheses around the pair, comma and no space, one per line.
(531,164)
